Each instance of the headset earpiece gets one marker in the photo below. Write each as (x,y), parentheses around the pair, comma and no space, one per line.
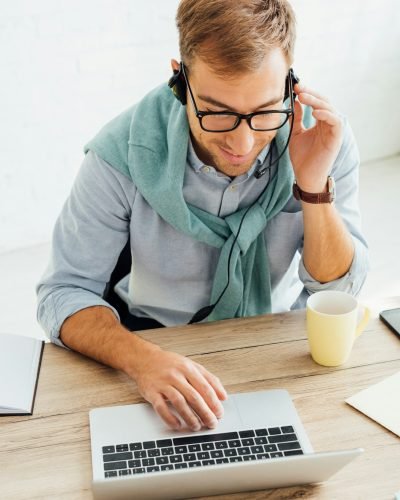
(178,84)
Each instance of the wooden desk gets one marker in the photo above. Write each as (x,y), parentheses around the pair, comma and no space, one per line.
(48,455)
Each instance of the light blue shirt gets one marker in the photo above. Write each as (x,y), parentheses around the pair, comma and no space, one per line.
(172,274)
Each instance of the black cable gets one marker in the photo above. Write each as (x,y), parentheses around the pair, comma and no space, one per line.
(207,310)
(261,172)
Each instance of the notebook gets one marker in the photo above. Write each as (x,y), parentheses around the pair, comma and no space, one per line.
(381,402)
(20,359)
(259,443)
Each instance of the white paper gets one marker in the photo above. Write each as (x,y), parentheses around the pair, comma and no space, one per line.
(381,402)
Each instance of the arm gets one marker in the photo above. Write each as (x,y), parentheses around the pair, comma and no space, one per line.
(88,237)
(96,333)
(328,246)
(331,231)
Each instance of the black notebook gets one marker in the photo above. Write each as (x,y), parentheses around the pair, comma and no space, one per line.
(20,359)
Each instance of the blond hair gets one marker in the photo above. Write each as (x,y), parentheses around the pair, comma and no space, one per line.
(234,35)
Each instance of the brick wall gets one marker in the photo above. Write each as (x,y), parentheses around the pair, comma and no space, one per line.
(69,66)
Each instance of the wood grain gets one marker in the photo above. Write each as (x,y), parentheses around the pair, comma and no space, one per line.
(47,455)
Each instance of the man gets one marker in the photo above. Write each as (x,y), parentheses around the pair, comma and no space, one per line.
(202,185)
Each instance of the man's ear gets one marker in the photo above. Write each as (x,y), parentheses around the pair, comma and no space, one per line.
(174,65)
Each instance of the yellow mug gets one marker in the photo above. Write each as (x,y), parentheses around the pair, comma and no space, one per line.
(332,326)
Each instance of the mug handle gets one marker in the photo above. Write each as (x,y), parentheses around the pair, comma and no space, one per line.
(363,323)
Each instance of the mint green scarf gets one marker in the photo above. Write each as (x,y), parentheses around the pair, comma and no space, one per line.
(148,143)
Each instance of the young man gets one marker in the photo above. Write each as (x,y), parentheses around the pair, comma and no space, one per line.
(202,184)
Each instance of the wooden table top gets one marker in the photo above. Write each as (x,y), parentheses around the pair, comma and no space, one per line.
(47,455)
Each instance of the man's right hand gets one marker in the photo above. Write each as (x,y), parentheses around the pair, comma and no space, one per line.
(161,376)
(193,391)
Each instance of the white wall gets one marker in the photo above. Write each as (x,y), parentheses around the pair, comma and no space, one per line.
(69,66)
(350,50)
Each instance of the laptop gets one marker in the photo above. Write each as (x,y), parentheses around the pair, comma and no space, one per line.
(259,443)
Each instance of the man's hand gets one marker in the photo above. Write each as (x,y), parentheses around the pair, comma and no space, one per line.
(314,150)
(193,391)
(161,376)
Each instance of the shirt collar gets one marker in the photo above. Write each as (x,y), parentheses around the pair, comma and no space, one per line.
(194,161)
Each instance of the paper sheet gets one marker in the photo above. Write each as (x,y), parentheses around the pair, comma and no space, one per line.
(381,402)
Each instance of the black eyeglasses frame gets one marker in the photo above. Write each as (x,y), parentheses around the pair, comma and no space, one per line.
(239,116)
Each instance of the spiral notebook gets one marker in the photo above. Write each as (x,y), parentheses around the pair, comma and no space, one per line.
(381,402)
(20,359)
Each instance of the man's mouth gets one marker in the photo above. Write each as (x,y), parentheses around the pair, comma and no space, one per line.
(235,159)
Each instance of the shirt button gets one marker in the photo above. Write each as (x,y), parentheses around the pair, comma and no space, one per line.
(233,187)
(207,170)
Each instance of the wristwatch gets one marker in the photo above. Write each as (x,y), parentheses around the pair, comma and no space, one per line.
(325,197)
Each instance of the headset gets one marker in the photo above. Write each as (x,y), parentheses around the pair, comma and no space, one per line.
(178,85)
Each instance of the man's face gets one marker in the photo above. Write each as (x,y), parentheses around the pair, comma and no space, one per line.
(234,152)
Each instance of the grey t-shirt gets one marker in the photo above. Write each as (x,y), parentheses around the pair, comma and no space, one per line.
(172,273)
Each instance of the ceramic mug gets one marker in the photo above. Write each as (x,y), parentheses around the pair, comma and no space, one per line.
(332,326)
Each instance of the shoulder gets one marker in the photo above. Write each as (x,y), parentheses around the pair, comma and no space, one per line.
(112,141)
(106,182)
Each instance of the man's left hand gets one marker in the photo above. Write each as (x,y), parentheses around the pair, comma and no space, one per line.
(314,150)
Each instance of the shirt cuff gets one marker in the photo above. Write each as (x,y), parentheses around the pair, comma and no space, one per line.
(351,282)
(62,304)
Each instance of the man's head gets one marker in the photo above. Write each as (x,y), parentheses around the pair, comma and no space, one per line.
(237,53)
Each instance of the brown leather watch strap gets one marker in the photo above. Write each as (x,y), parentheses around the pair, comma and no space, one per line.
(326,197)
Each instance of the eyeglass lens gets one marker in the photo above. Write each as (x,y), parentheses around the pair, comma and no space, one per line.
(222,122)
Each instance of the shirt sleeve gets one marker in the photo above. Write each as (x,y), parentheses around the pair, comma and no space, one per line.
(88,237)
(346,172)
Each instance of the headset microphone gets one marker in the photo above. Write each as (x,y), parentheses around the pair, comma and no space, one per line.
(259,173)
(291,81)
(178,86)
(207,310)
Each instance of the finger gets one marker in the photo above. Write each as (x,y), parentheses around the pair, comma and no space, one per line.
(299,87)
(197,403)
(298,125)
(215,383)
(179,402)
(327,117)
(314,102)
(161,408)
(210,388)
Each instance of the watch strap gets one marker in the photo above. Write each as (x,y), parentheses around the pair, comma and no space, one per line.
(316,198)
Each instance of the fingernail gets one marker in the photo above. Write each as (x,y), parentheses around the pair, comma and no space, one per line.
(196,427)
(212,424)
(219,413)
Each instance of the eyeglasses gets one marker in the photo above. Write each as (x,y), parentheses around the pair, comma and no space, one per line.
(225,121)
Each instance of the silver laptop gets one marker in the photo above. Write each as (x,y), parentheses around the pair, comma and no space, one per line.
(260,443)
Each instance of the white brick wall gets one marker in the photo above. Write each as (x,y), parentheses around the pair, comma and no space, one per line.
(69,66)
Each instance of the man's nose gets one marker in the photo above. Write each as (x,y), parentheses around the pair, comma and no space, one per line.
(241,140)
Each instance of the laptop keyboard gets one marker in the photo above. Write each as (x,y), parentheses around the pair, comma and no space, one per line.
(199,451)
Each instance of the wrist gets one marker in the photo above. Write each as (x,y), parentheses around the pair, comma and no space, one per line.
(135,352)
(324,195)
(313,186)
